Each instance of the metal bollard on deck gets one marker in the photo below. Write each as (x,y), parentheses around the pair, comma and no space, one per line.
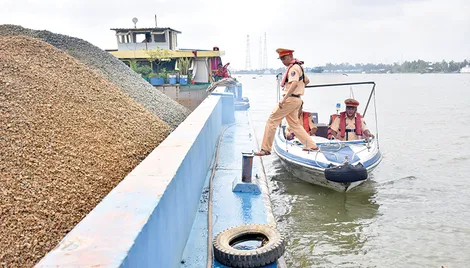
(247,166)
(246,184)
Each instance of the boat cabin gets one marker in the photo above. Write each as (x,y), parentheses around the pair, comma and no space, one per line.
(135,47)
(146,38)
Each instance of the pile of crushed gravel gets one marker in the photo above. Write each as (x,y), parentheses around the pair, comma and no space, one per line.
(67,137)
(113,70)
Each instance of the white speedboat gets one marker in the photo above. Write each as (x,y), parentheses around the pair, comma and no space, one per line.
(339,165)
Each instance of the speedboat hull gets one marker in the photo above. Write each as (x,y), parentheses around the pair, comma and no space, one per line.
(345,164)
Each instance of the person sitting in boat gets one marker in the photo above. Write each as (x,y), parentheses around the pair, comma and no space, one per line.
(221,72)
(306,119)
(311,129)
(350,125)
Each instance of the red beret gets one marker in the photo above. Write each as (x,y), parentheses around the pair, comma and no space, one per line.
(351,102)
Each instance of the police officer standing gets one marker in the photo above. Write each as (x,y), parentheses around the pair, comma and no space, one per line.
(293,82)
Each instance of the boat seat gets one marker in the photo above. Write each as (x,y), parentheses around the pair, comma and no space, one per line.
(322,130)
(314,118)
(305,120)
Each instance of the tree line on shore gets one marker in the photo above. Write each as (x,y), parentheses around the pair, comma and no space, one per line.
(415,66)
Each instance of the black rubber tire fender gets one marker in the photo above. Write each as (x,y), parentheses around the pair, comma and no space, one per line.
(266,254)
(346,173)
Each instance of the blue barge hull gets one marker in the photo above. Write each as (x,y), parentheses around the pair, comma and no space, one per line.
(157,215)
(229,208)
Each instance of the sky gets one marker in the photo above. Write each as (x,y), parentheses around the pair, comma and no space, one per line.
(320,32)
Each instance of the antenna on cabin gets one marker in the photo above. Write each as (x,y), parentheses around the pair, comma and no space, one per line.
(135,20)
(156,21)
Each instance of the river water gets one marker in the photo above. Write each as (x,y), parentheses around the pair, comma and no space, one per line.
(414,211)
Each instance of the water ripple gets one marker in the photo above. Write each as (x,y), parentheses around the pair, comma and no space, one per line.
(414,211)
(407,178)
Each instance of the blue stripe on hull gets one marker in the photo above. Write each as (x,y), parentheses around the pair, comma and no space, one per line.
(377,158)
(290,156)
(321,165)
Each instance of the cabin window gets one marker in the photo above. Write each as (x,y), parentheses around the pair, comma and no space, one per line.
(123,38)
(159,37)
(143,38)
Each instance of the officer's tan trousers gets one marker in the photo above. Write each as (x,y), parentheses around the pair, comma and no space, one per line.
(290,110)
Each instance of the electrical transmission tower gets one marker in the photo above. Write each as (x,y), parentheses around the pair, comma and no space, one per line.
(265,55)
(260,55)
(248,59)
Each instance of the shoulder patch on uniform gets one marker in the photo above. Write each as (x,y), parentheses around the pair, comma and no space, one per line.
(292,73)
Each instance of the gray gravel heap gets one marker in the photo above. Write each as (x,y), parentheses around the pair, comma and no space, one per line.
(111,68)
(67,138)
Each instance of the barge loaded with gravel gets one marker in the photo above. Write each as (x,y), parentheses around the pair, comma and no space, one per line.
(68,135)
(98,168)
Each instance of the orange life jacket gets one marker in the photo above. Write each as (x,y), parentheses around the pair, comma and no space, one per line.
(306,124)
(286,74)
(342,124)
(305,121)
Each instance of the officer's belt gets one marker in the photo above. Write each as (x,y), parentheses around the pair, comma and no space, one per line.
(296,96)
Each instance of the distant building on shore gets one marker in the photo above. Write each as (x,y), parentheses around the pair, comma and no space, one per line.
(465,69)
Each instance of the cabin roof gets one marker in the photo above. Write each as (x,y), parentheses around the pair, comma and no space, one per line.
(142,54)
(144,29)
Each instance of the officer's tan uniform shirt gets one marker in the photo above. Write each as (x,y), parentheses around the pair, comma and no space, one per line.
(294,74)
(350,124)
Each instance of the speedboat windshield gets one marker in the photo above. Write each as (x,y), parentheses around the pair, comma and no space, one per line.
(328,99)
